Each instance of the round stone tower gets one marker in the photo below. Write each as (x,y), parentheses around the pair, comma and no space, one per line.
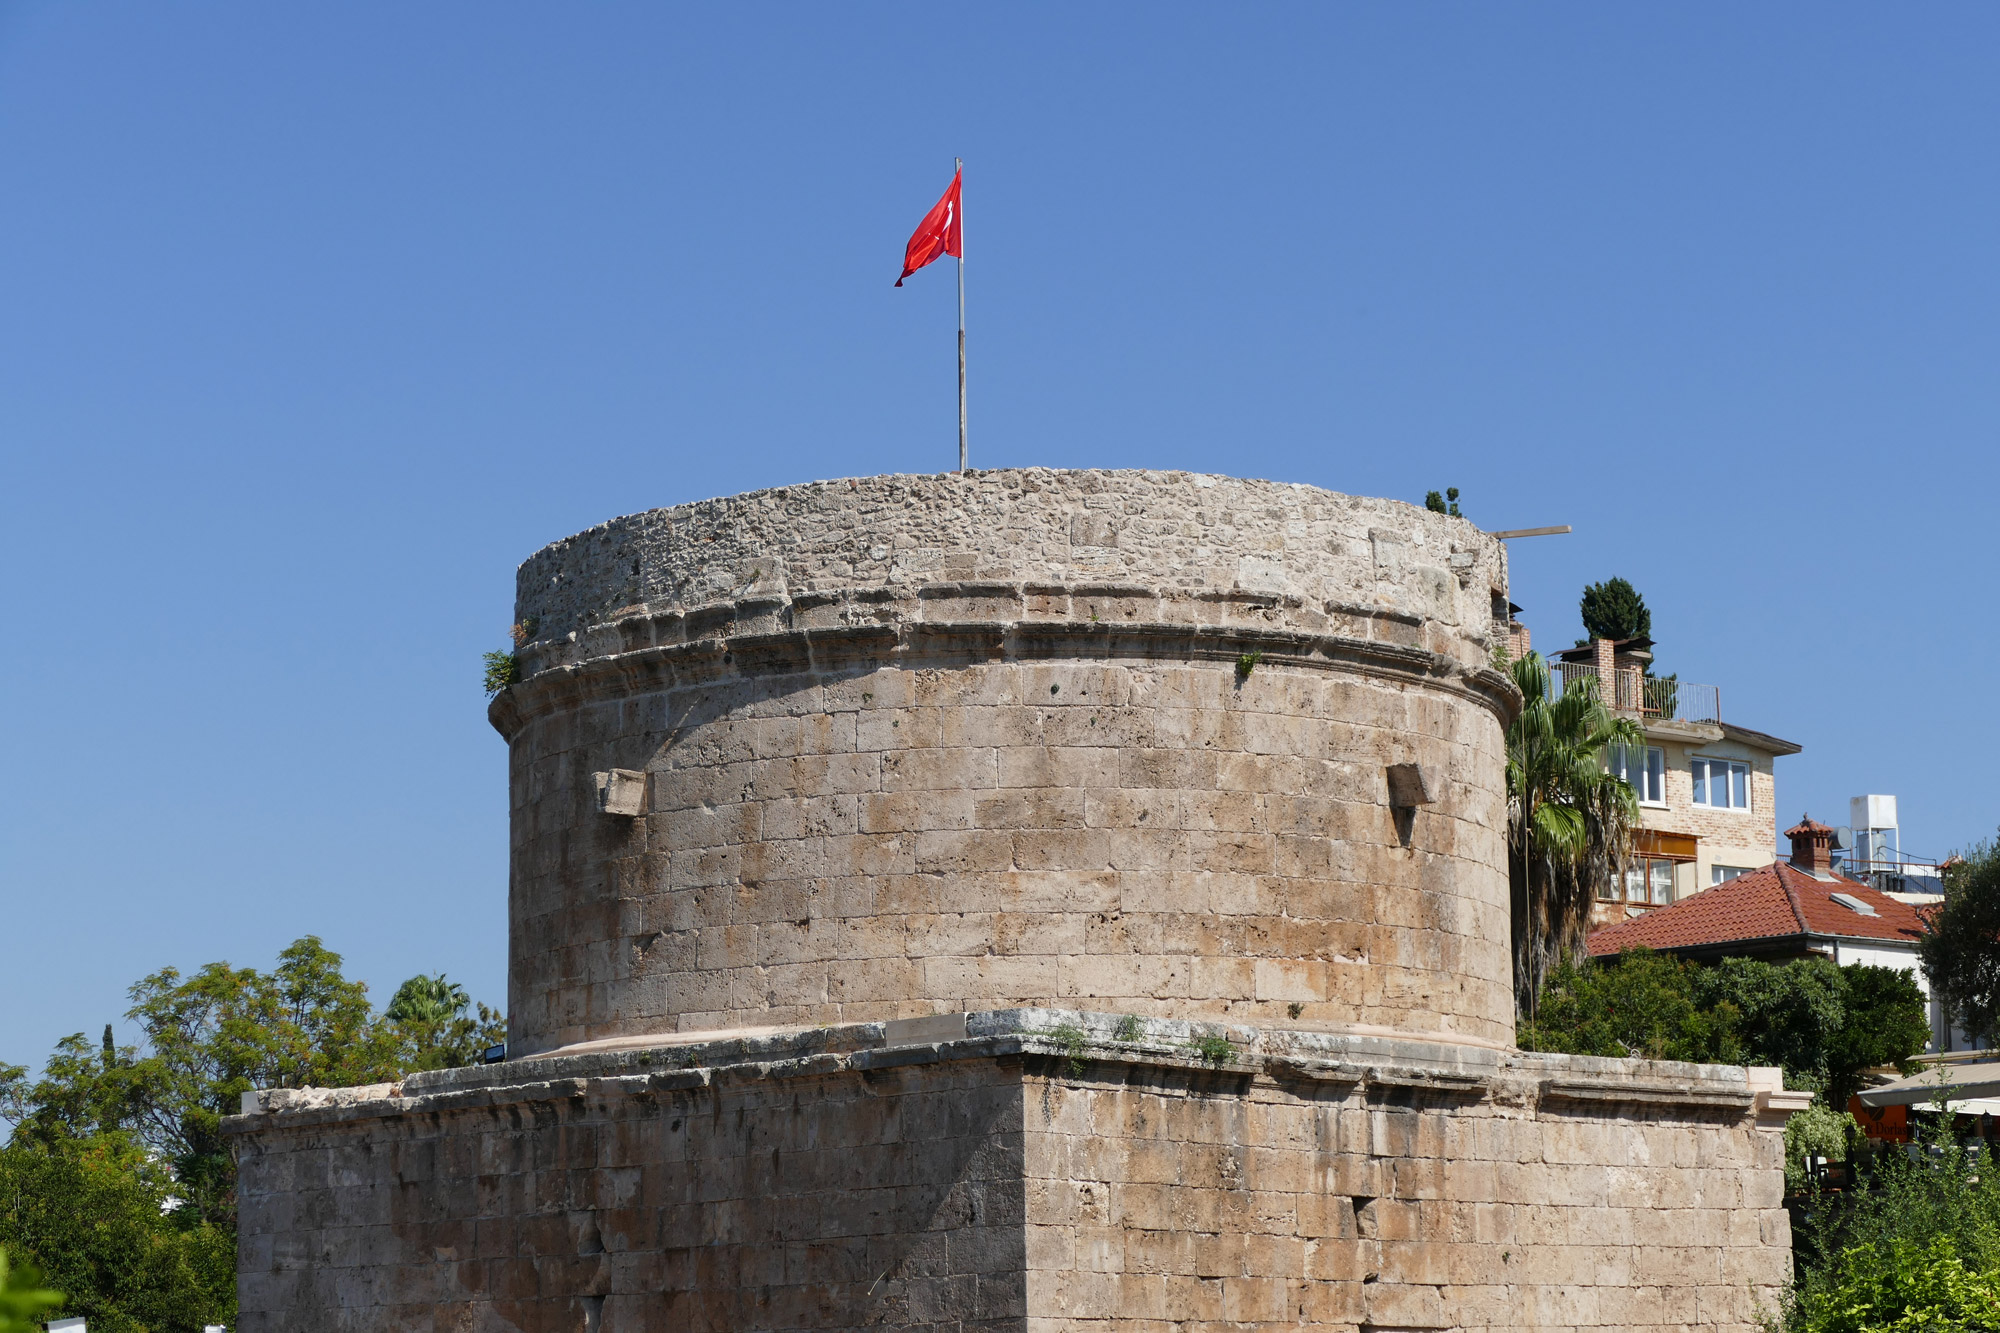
(1130,742)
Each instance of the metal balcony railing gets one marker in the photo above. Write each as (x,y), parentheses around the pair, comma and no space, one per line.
(1891,871)
(1634,692)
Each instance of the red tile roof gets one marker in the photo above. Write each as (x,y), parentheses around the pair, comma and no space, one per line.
(1776,902)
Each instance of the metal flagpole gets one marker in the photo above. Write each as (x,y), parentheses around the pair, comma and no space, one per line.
(958,170)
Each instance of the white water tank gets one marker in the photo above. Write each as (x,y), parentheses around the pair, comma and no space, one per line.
(1876,812)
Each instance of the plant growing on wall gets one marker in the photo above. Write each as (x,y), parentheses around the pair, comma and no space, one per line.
(1443,504)
(1213,1048)
(1569,820)
(502,670)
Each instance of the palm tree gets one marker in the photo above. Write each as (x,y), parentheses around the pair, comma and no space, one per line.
(427,1002)
(1569,819)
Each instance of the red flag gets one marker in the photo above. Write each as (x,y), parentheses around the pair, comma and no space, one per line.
(940,233)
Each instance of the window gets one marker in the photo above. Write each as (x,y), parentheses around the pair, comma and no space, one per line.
(1723,874)
(1722,784)
(1649,882)
(1645,768)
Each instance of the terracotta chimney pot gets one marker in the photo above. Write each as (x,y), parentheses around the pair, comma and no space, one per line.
(1812,847)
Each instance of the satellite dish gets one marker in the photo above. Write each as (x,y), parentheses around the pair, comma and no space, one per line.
(1843,838)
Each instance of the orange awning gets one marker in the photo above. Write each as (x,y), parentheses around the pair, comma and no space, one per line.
(1667,846)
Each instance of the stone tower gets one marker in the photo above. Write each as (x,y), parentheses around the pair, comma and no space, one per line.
(915,745)
(1010,899)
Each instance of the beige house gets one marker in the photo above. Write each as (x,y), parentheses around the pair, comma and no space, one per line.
(1707,794)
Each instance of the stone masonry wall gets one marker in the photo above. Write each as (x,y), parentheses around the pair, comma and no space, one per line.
(1165,1203)
(759,1204)
(872,796)
(1155,530)
(1155,837)
(1039,1172)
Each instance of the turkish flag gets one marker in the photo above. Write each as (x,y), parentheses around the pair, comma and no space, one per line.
(940,233)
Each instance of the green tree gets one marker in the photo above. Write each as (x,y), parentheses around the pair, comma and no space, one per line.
(1792,1011)
(1443,504)
(117,1179)
(23,1299)
(1644,1005)
(438,1025)
(1569,819)
(1614,609)
(1888,1023)
(1960,947)
(217,1034)
(103,1220)
(1821,1024)
(83,1090)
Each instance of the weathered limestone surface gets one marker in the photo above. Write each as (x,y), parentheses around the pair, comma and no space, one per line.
(963,742)
(1321,554)
(978,903)
(1037,1173)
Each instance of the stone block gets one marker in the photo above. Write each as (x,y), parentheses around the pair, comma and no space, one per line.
(620,791)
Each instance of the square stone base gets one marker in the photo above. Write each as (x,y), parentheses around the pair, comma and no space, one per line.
(1029,1171)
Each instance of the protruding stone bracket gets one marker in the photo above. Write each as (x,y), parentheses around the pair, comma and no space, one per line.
(1410,786)
(621,791)
(1775,1102)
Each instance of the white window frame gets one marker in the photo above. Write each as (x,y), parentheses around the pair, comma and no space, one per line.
(1618,761)
(1728,766)
(1716,877)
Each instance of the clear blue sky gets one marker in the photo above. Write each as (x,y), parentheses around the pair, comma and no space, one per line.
(314,323)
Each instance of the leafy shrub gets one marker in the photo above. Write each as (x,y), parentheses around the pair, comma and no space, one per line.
(1817,1131)
(1070,1037)
(1643,1005)
(502,670)
(23,1298)
(1916,1247)
(1903,1289)
(97,1216)
(1820,1023)
(1213,1048)
(1443,504)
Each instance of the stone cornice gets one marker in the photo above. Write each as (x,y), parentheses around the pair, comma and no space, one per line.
(961,623)
(1049,1043)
